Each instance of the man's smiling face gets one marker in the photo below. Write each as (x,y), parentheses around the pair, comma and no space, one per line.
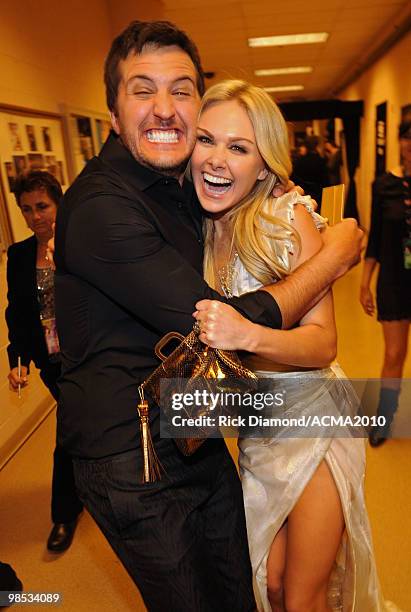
(157,107)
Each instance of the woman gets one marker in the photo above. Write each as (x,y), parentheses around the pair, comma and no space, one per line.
(309,537)
(32,331)
(389,244)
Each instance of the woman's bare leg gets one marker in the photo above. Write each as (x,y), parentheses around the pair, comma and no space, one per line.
(314,531)
(396,344)
(276,569)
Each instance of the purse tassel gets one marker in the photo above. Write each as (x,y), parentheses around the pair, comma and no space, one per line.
(152,467)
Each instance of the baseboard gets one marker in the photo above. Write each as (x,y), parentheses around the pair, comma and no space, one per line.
(20,436)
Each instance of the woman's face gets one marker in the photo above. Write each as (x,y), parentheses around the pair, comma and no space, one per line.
(39,211)
(226,162)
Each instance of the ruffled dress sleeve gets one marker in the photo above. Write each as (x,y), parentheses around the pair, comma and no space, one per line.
(283,208)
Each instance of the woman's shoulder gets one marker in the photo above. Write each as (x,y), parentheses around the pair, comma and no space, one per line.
(19,249)
(388,179)
(285,206)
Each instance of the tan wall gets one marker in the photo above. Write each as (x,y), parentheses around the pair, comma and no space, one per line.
(121,12)
(387,80)
(52,52)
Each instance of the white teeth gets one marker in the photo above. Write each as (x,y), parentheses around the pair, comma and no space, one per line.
(217,179)
(162,136)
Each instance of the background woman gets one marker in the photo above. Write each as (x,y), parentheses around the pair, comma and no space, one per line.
(389,245)
(309,536)
(32,330)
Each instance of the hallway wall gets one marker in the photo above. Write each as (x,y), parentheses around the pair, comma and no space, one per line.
(52,53)
(386,80)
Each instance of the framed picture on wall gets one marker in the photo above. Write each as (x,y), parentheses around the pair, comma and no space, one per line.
(29,140)
(31,137)
(14,135)
(380,138)
(103,127)
(86,133)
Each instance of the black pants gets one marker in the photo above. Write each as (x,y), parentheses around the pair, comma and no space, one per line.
(65,503)
(182,539)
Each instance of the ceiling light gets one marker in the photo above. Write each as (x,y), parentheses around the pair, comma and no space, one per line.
(291,70)
(284,88)
(289,39)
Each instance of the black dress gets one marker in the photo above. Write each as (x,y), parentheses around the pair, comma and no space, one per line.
(385,243)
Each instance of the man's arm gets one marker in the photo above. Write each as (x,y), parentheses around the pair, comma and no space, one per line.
(110,243)
(300,291)
(115,248)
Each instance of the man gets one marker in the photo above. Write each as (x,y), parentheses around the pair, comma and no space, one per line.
(129,269)
(334,161)
(30,307)
(310,170)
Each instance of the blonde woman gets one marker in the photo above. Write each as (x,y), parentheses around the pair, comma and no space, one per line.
(309,536)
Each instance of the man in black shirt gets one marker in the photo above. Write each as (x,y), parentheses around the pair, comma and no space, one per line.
(310,170)
(129,269)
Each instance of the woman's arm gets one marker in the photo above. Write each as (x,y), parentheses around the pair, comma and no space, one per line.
(16,314)
(366,296)
(373,252)
(312,344)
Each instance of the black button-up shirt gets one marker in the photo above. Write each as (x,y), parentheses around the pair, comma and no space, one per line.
(129,269)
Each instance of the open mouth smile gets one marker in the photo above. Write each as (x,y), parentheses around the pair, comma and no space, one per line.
(216,184)
(163,136)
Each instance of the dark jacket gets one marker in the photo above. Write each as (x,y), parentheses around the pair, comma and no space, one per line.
(310,171)
(22,313)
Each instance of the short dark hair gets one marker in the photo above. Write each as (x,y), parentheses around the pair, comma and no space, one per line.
(38,180)
(134,38)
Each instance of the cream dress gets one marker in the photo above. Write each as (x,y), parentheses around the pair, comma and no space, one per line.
(275,471)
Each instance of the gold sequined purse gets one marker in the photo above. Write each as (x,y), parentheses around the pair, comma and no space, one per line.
(191,365)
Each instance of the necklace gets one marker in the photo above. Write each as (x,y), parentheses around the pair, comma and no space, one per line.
(42,259)
(227,275)
(224,259)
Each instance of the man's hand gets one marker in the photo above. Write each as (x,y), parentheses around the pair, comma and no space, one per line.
(15,380)
(280,190)
(344,242)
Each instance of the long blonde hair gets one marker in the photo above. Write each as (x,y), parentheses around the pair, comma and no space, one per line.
(254,224)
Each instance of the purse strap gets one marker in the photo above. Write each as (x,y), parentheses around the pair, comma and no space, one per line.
(158,349)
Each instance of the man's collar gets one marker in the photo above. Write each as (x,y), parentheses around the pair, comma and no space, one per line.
(120,158)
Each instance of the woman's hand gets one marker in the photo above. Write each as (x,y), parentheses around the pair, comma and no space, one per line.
(15,380)
(367,300)
(222,326)
(50,249)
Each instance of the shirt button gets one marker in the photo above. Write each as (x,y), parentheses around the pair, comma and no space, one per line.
(180,205)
